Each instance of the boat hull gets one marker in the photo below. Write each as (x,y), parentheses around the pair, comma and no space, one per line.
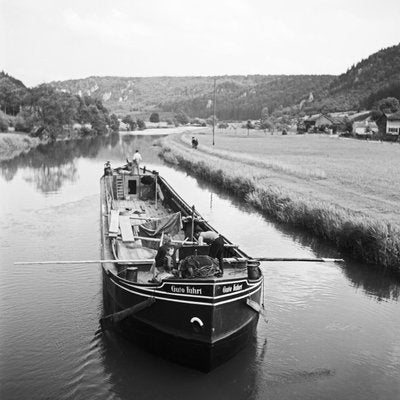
(198,331)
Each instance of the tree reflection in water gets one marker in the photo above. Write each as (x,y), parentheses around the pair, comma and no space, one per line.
(50,179)
(54,164)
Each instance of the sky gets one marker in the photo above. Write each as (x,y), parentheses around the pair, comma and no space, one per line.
(47,40)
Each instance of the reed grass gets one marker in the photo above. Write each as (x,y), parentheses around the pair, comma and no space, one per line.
(365,238)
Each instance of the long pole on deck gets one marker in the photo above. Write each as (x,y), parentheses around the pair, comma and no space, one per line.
(298,259)
(147,261)
(231,260)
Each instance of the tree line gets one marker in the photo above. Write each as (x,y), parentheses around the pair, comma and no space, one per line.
(45,111)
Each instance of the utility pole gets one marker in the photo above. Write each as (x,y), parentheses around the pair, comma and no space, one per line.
(215,79)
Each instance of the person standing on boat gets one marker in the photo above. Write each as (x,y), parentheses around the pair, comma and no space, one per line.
(107,169)
(216,243)
(136,160)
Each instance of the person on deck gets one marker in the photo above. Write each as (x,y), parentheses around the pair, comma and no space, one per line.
(107,169)
(164,264)
(136,160)
(216,243)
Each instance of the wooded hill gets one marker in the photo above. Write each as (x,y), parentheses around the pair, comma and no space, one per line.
(243,97)
(363,84)
(46,111)
(238,97)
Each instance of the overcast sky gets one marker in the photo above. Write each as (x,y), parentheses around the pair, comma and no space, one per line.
(45,40)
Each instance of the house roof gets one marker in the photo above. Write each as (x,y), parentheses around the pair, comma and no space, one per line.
(313,117)
(360,116)
(394,117)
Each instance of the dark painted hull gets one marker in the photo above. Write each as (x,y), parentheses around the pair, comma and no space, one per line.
(170,326)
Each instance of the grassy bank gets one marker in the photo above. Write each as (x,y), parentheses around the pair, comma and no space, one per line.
(347,192)
(13,144)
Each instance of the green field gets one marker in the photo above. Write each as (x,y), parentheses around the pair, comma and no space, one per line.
(360,175)
(345,190)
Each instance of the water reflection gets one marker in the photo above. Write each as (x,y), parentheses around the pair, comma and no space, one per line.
(374,280)
(131,372)
(50,179)
(54,159)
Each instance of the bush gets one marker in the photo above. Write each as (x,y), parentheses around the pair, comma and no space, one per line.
(182,118)
(154,117)
(140,124)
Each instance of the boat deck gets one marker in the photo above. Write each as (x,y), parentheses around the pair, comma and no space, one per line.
(143,208)
(145,276)
(122,217)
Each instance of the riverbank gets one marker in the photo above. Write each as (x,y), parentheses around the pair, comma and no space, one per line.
(14,144)
(343,191)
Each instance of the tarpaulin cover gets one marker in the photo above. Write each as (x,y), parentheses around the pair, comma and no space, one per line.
(171,225)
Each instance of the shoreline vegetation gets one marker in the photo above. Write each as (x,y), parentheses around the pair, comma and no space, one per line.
(342,191)
(14,144)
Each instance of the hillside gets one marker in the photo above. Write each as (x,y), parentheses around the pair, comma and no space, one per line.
(369,80)
(238,97)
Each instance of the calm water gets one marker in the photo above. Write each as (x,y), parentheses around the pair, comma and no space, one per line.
(329,332)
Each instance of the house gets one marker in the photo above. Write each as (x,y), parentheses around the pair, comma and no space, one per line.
(363,124)
(393,124)
(322,120)
(309,122)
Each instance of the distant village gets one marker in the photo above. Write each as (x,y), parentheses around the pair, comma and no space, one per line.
(356,124)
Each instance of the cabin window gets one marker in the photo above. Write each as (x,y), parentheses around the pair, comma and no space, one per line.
(393,130)
(132,186)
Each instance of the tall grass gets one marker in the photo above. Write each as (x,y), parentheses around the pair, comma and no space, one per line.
(362,237)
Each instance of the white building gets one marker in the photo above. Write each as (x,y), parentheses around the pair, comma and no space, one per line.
(393,124)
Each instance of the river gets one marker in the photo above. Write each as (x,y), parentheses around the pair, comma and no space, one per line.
(330,331)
